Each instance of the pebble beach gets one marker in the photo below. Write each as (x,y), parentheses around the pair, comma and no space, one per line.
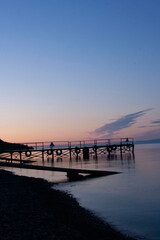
(31,208)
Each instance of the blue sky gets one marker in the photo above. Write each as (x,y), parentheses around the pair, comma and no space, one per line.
(68,68)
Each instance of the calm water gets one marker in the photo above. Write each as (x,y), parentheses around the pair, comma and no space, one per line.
(130,200)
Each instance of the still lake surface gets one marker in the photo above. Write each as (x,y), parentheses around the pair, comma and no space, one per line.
(130,201)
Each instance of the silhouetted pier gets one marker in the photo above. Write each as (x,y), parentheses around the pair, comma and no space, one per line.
(29,151)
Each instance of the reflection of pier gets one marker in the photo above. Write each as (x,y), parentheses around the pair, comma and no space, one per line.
(30,151)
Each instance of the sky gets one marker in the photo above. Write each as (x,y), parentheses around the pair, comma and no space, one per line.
(79,69)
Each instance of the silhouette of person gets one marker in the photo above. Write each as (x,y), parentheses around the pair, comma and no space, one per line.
(52,145)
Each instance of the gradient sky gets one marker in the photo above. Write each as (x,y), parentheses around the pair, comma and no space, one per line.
(79,69)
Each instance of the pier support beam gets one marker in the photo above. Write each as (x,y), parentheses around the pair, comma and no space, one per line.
(77,151)
(11,156)
(86,153)
(43,155)
(121,152)
(95,148)
(20,156)
(52,156)
(70,153)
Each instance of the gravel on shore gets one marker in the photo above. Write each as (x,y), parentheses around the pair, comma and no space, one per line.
(31,209)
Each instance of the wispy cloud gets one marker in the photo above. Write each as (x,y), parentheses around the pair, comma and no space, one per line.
(155,126)
(155,122)
(119,124)
(142,126)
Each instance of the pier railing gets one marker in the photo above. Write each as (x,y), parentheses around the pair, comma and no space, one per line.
(73,144)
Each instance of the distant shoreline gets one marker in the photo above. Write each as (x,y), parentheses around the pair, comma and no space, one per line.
(152,141)
(31,209)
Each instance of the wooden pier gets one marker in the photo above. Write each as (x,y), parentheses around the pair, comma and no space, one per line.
(29,151)
(24,155)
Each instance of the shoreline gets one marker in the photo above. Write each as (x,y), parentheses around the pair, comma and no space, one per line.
(31,209)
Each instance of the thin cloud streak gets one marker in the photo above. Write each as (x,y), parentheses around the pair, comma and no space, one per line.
(142,126)
(150,126)
(155,122)
(121,123)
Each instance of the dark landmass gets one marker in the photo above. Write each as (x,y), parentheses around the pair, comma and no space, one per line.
(5,146)
(151,141)
(31,209)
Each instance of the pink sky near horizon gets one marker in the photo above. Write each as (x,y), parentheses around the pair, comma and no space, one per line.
(34,131)
(68,68)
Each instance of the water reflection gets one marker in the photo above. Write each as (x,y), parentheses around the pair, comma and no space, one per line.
(101,162)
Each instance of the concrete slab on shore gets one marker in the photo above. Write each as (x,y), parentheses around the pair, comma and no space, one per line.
(69,171)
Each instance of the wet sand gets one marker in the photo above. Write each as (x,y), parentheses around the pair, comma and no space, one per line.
(31,209)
